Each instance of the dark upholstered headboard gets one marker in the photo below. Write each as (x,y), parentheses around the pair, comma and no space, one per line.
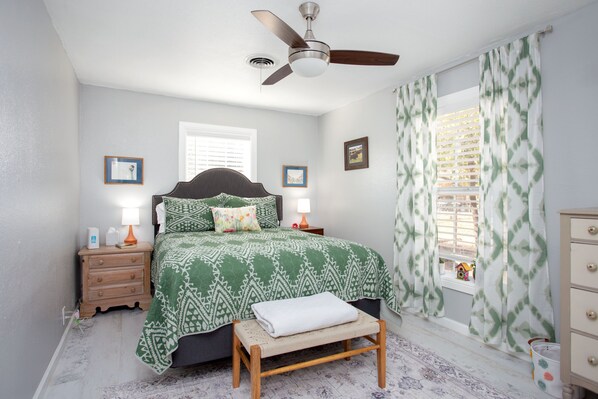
(213,182)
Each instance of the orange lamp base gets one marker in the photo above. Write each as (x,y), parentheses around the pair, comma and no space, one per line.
(130,240)
(303,224)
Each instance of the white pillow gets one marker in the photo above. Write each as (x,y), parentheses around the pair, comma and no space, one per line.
(161,215)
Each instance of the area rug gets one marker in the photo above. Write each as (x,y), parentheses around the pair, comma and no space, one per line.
(412,372)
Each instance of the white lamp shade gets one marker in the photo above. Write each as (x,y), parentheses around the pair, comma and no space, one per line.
(303,205)
(130,216)
(309,67)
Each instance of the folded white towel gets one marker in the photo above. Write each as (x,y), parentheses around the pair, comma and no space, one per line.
(296,315)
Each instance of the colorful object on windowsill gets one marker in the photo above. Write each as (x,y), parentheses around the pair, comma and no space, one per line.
(463,271)
(131,218)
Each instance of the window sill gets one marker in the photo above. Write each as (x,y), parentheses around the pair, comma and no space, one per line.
(449,280)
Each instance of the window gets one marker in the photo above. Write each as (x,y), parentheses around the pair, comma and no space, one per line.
(203,147)
(458,187)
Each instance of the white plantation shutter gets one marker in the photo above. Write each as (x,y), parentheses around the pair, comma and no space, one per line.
(204,147)
(205,152)
(458,187)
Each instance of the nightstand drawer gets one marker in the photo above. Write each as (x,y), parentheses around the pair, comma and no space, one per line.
(97,294)
(584,229)
(133,258)
(584,357)
(584,265)
(122,275)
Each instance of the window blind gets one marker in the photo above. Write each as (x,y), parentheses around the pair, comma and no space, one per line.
(204,151)
(458,189)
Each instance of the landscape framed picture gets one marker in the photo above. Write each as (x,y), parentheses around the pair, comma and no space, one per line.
(356,154)
(294,176)
(123,170)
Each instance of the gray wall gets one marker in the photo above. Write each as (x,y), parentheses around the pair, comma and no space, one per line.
(570,89)
(39,187)
(359,205)
(125,123)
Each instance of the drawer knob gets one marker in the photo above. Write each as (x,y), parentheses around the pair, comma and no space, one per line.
(592,267)
(101,262)
(100,279)
(133,260)
(100,293)
(133,289)
(592,360)
(593,230)
(132,276)
(590,314)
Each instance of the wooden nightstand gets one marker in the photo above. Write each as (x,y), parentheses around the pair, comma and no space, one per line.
(314,230)
(111,276)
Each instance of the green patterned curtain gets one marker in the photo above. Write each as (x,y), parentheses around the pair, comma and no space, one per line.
(512,300)
(416,274)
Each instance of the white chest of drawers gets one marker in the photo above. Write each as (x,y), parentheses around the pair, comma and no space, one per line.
(579,300)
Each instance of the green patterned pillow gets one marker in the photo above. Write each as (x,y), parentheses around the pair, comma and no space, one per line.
(222,198)
(265,208)
(228,220)
(184,214)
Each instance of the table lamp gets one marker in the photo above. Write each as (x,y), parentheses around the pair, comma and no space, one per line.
(131,218)
(303,207)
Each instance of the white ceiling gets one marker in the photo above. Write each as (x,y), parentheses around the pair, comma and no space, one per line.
(197,48)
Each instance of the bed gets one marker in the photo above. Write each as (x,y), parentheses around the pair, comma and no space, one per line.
(204,280)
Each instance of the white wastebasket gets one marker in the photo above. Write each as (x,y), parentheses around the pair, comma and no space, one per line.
(546,361)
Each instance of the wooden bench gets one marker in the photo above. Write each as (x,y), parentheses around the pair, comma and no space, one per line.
(251,336)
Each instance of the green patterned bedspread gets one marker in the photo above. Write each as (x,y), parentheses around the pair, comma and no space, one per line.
(205,280)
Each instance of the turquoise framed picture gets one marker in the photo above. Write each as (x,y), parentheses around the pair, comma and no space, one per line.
(123,170)
(294,176)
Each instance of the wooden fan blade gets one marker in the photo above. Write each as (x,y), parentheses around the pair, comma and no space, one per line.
(355,57)
(280,29)
(279,75)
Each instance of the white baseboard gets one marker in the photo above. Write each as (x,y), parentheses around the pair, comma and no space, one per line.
(464,330)
(41,388)
(451,325)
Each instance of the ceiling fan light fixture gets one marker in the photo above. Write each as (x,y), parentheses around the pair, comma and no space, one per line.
(310,62)
(309,67)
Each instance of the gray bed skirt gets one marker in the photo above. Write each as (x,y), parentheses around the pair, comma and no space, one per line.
(200,348)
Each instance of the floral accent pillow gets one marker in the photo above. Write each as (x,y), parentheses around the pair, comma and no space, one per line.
(228,220)
(185,215)
(265,208)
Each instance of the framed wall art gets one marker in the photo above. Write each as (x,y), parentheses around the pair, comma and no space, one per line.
(294,176)
(356,154)
(123,170)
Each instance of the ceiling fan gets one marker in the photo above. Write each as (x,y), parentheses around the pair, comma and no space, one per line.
(309,57)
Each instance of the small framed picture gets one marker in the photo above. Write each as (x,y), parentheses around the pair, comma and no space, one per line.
(123,170)
(356,154)
(294,176)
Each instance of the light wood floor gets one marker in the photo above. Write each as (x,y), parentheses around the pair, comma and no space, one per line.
(103,354)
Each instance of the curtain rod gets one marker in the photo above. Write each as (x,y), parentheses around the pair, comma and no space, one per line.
(547,29)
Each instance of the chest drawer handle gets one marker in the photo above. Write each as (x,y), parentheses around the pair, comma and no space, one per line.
(133,289)
(592,360)
(101,262)
(133,260)
(100,293)
(590,314)
(593,230)
(592,267)
(132,276)
(100,279)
